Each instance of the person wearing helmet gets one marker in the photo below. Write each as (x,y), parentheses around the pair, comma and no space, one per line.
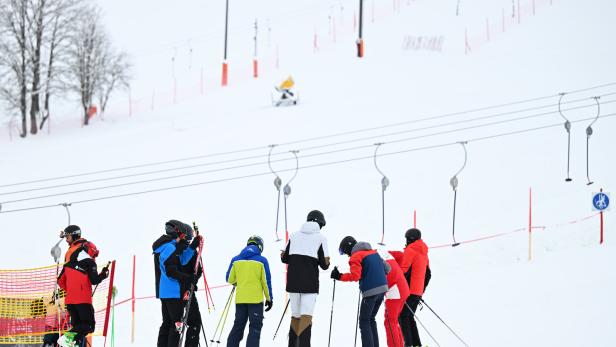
(370,270)
(250,274)
(416,267)
(171,252)
(304,253)
(78,275)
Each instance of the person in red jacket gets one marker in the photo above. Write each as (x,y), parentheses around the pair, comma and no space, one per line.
(416,267)
(76,279)
(395,298)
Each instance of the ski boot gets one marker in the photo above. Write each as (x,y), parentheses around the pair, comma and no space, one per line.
(67,340)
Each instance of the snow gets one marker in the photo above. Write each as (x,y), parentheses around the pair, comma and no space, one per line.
(487,291)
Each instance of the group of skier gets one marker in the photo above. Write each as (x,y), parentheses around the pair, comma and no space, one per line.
(399,278)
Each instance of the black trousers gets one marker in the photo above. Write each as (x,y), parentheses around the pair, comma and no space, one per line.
(194,324)
(82,320)
(172,310)
(407,322)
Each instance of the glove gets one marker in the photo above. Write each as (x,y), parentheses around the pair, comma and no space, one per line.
(268,305)
(336,274)
(196,242)
(189,278)
(104,273)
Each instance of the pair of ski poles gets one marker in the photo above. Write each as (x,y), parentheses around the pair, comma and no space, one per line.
(223,319)
(437,316)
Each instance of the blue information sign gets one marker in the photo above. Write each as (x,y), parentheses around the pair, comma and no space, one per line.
(600,201)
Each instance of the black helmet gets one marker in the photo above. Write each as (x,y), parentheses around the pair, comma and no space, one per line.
(316,216)
(346,245)
(255,240)
(174,227)
(412,235)
(72,230)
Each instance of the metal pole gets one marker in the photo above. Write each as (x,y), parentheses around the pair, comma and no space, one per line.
(226,27)
(331,316)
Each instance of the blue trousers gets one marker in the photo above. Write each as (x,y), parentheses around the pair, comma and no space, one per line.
(244,313)
(367,323)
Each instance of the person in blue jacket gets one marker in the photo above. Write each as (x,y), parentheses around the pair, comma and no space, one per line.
(171,252)
(250,274)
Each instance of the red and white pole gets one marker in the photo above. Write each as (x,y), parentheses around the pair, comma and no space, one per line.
(132,331)
(530,223)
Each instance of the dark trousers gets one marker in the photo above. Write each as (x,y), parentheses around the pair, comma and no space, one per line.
(82,320)
(172,310)
(243,313)
(407,322)
(367,323)
(194,324)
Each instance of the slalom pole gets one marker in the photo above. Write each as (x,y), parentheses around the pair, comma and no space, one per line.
(281,318)
(422,325)
(437,316)
(331,316)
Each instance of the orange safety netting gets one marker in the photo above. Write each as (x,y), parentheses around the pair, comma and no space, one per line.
(29,309)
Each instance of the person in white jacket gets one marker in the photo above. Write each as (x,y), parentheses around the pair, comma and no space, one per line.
(305,252)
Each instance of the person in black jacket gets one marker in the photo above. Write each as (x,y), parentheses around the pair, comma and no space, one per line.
(171,253)
(305,252)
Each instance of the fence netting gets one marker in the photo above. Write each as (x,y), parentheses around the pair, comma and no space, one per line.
(31,305)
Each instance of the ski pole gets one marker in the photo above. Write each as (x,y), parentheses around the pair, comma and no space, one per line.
(222,328)
(107,267)
(437,316)
(357,319)
(204,337)
(222,316)
(281,318)
(331,316)
(422,325)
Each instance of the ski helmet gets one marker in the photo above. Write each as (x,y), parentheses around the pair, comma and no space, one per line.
(412,235)
(188,230)
(316,216)
(72,230)
(174,227)
(346,245)
(255,240)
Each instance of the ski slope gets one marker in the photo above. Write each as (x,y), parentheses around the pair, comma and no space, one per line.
(487,290)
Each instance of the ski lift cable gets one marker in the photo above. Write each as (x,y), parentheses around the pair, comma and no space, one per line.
(568,129)
(260,163)
(589,132)
(250,149)
(270,154)
(331,163)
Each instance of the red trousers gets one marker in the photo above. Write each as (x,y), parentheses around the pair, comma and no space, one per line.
(393,307)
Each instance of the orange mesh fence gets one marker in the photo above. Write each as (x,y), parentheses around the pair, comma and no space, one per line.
(29,309)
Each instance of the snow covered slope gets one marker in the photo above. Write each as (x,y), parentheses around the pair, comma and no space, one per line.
(487,291)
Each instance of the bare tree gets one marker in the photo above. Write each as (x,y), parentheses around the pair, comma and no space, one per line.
(88,44)
(115,75)
(62,16)
(13,57)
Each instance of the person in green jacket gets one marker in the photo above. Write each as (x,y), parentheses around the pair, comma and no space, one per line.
(249,272)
